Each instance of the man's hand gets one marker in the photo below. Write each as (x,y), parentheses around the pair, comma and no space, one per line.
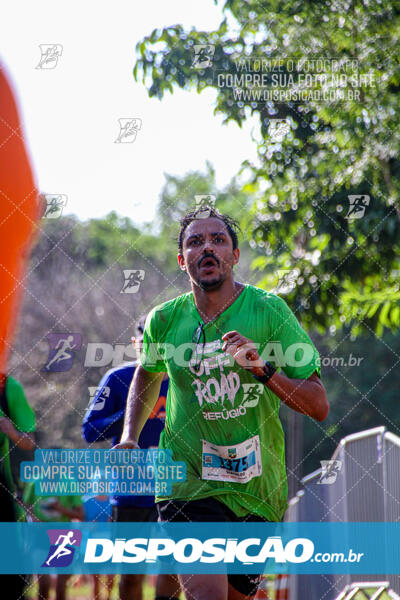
(7,427)
(71,513)
(243,351)
(24,440)
(126,444)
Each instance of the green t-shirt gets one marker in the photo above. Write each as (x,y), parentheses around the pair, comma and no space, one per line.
(220,420)
(23,419)
(42,505)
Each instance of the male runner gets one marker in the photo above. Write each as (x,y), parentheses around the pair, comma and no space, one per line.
(233,445)
(104,420)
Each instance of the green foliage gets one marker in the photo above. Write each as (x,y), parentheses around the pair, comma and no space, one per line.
(178,197)
(359,375)
(345,271)
(101,243)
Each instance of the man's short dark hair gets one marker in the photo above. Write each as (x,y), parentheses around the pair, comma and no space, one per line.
(231,224)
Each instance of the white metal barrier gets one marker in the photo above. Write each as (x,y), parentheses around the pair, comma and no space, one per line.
(360,483)
(372,590)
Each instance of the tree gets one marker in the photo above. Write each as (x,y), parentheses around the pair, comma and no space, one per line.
(178,197)
(342,269)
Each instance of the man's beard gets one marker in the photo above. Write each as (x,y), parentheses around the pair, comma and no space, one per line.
(211,284)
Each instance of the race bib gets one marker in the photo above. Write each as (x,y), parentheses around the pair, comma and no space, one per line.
(238,463)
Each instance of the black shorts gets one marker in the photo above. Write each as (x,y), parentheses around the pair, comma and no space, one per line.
(134,514)
(211,510)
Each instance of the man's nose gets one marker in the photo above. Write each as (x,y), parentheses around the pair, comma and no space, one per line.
(208,246)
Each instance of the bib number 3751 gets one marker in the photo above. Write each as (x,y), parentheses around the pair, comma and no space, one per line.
(238,463)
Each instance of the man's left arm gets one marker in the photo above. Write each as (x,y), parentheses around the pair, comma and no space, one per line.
(306,396)
(298,384)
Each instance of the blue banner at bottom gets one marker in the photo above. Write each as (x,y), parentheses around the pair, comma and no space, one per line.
(306,548)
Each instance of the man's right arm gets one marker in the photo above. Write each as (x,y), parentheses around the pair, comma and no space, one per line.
(142,397)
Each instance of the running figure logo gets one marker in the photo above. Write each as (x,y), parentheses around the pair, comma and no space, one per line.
(50,53)
(357,207)
(62,351)
(128,129)
(286,280)
(133,279)
(329,471)
(54,205)
(103,396)
(204,203)
(278,128)
(62,547)
(251,394)
(203,56)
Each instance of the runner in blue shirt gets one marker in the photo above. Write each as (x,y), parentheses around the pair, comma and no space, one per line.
(104,420)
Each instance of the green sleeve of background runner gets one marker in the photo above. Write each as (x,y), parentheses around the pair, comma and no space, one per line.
(28,495)
(30,498)
(21,413)
(298,363)
(150,358)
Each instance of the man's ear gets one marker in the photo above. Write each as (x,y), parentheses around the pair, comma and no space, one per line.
(181,262)
(236,256)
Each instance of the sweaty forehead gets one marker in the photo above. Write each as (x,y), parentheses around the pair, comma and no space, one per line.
(205,226)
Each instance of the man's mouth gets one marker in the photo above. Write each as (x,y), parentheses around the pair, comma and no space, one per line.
(208,263)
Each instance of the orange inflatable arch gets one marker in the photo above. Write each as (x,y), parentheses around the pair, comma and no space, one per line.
(19,213)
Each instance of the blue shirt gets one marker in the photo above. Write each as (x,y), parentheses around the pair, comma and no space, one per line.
(104,420)
(97,509)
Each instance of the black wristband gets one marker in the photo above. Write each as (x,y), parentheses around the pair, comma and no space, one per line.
(269,370)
